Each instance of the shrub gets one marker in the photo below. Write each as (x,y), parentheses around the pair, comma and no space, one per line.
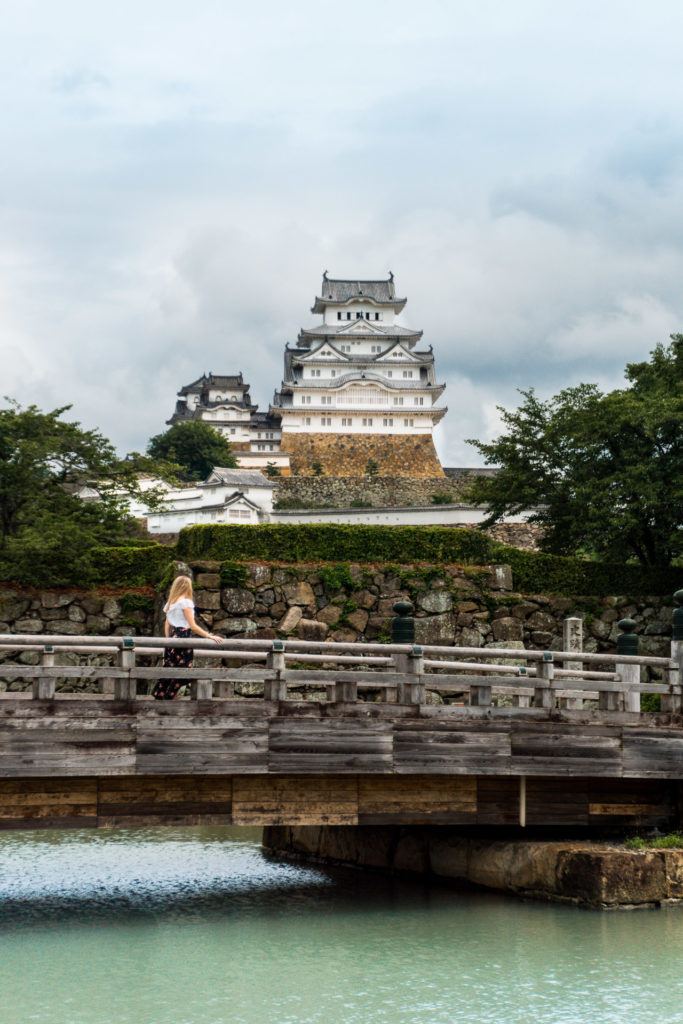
(130,566)
(405,545)
(441,498)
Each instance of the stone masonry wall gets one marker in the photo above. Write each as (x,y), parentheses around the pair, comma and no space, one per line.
(377,491)
(466,606)
(410,455)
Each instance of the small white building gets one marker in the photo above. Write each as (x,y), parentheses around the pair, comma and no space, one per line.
(226,496)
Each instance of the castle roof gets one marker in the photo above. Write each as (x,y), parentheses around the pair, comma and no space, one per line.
(214,380)
(342,290)
(351,327)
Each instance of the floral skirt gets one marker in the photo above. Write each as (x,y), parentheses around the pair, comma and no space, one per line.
(174,657)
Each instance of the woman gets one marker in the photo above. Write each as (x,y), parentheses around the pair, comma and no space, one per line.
(179,610)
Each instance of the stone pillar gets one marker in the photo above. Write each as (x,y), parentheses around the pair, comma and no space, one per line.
(572,640)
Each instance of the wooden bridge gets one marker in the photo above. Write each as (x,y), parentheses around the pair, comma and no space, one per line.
(340,734)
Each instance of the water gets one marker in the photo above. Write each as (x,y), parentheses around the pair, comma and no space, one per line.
(195,926)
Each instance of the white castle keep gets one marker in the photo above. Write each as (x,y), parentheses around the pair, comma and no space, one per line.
(357,390)
(359,371)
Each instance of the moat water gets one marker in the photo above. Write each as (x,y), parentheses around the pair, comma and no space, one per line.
(196,926)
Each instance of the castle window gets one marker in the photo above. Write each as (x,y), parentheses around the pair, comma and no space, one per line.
(326,400)
(339,316)
(315,373)
(367,316)
(359,316)
(390,373)
(348,316)
(419,401)
(376,316)
(326,421)
(407,373)
(408,423)
(398,401)
(388,422)
(232,430)
(375,348)
(346,422)
(367,422)
(307,421)
(333,373)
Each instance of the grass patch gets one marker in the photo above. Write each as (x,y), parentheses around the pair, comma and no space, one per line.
(672,841)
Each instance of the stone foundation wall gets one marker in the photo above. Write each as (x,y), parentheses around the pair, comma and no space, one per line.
(347,455)
(591,874)
(374,491)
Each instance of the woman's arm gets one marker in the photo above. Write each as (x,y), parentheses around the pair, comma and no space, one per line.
(167,628)
(191,624)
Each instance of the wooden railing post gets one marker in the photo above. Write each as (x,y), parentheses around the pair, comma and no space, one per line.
(572,640)
(544,696)
(345,691)
(402,632)
(628,643)
(674,702)
(275,687)
(521,700)
(43,687)
(411,666)
(201,689)
(126,688)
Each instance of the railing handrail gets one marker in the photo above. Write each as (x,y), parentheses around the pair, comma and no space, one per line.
(19,641)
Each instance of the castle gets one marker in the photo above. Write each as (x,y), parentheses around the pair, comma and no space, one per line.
(358,395)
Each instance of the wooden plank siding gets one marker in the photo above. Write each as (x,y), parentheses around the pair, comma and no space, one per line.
(469,800)
(93,737)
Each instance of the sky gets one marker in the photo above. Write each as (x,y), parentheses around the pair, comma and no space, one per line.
(175,176)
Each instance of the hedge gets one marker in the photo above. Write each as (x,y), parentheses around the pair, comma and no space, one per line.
(131,566)
(287,542)
(403,545)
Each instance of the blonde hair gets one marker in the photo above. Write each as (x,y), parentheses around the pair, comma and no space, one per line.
(181,587)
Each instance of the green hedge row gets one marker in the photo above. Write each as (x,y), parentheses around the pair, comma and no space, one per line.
(131,566)
(335,543)
(403,545)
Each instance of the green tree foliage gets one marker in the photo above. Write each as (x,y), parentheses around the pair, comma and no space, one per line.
(603,471)
(47,532)
(195,447)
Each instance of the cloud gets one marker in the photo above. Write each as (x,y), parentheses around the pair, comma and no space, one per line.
(175,177)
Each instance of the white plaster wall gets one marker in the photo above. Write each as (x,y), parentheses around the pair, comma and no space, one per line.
(438,515)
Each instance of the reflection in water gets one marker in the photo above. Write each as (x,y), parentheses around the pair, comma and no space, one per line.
(195,926)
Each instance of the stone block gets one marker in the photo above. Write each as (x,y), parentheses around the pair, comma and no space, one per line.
(209,599)
(92,605)
(300,593)
(344,636)
(507,628)
(259,574)
(543,621)
(311,629)
(467,606)
(470,637)
(266,596)
(28,626)
(364,599)
(55,599)
(68,627)
(12,606)
(436,629)
(233,625)
(208,580)
(501,577)
(435,601)
(290,620)
(111,608)
(278,609)
(599,629)
(237,601)
(97,625)
(76,613)
(542,640)
(330,614)
(357,620)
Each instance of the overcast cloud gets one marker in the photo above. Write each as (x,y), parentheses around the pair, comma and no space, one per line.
(175,176)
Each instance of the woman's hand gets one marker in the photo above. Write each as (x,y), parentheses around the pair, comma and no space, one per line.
(216,639)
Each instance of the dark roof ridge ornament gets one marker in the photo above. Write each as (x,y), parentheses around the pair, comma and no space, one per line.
(324,275)
(391,275)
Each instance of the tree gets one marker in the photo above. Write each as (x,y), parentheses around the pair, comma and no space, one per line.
(195,446)
(602,472)
(47,531)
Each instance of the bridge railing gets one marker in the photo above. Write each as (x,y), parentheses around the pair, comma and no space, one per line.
(403,672)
